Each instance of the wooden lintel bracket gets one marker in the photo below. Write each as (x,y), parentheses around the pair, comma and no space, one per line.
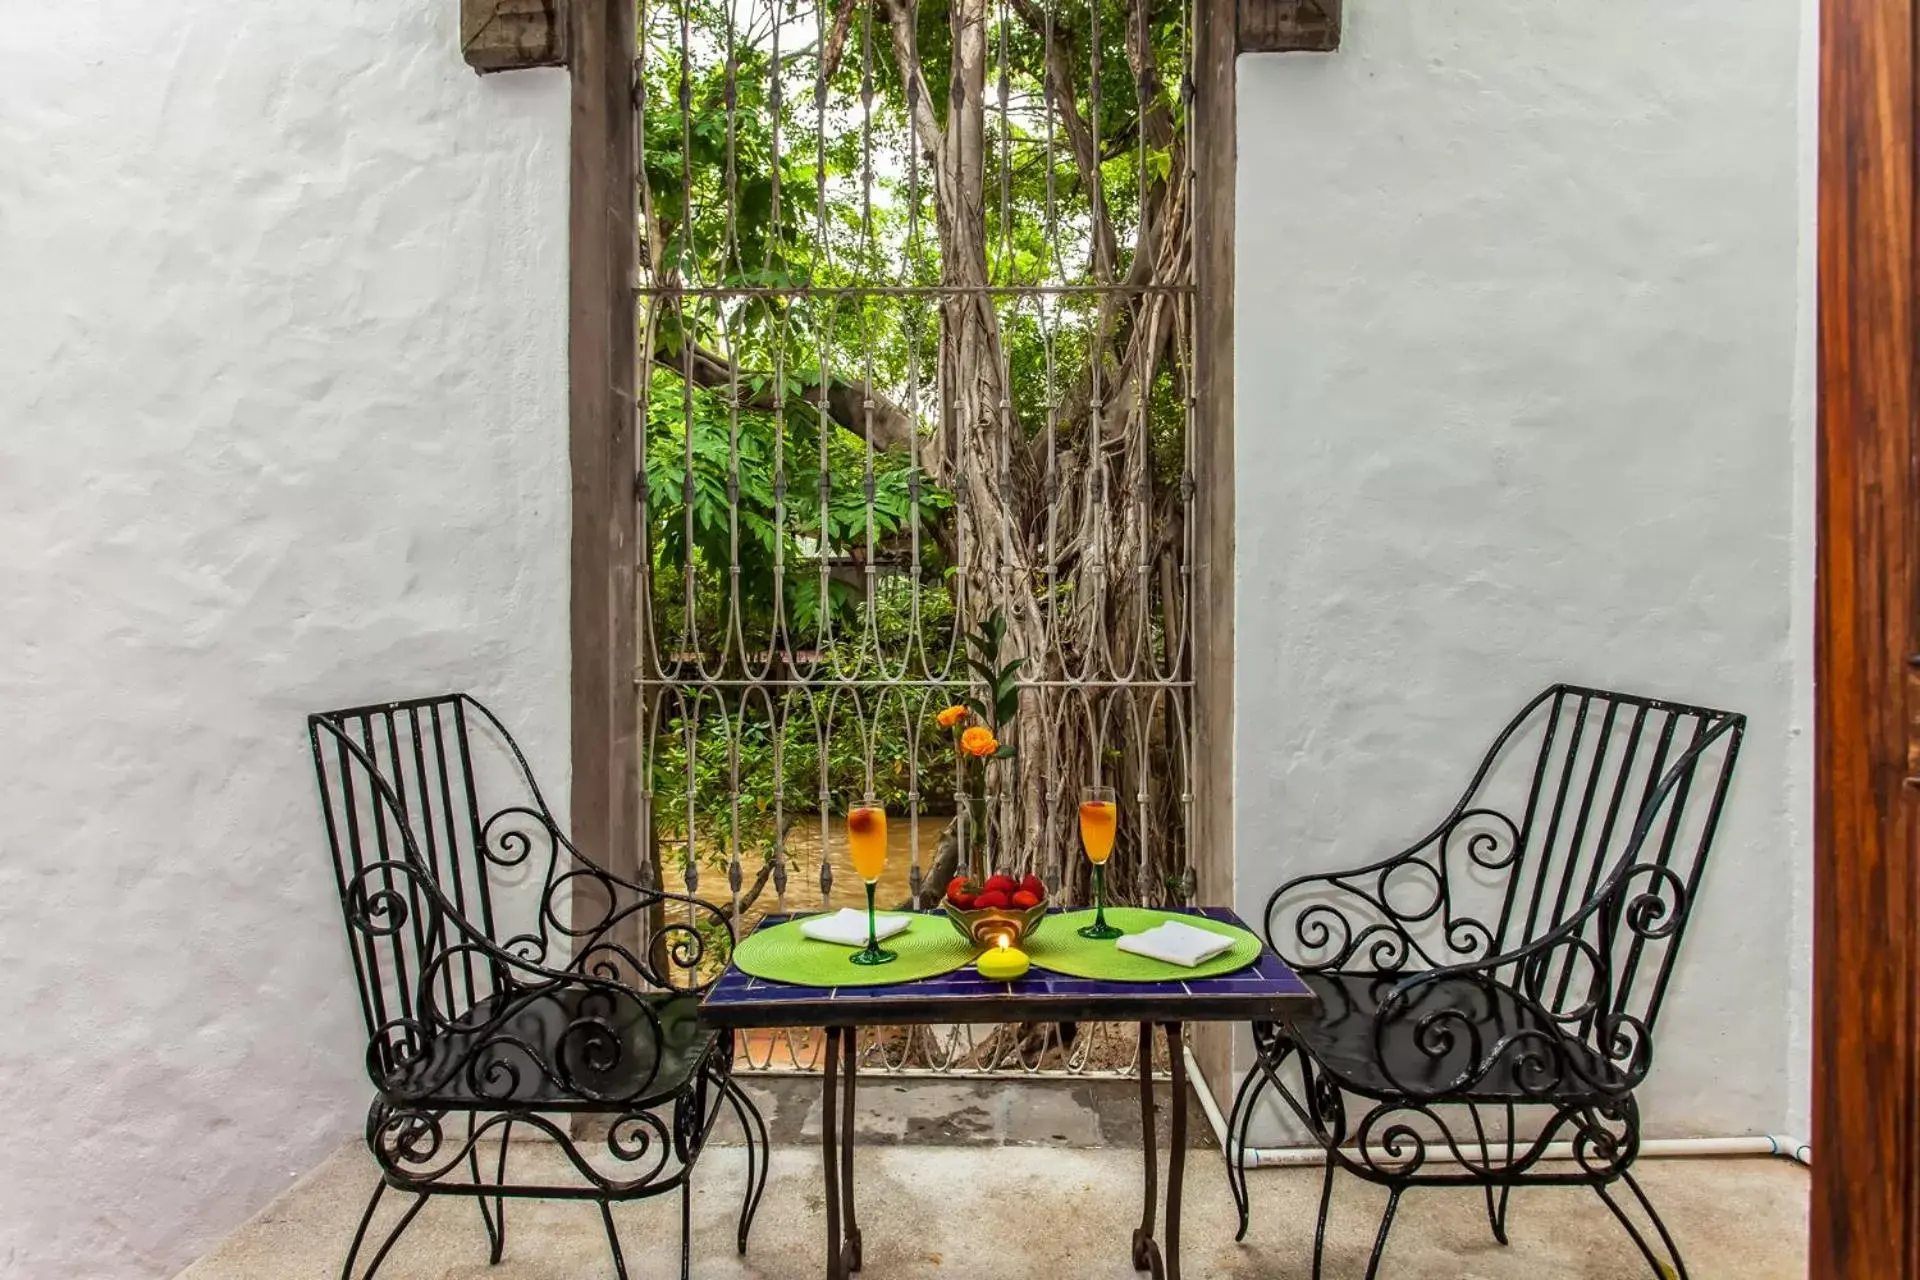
(1288,26)
(509,35)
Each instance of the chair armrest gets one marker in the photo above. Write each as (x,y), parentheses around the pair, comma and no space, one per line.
(598,944)
(1577,1035)
(1361,918)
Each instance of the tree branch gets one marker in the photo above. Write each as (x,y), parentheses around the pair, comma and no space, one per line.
(901,15)
(1086,159)
(847,399)
(837,40)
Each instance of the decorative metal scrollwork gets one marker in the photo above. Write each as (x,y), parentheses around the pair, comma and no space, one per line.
(509,981)
(1535,1011)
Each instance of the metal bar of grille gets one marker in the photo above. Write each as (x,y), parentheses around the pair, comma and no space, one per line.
(956,390)
(856,291)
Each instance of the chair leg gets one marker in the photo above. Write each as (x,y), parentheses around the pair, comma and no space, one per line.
(494,1219)
(366,1220)
(1320,1225)
(758,1159)
(1386,1225)
(613,1240)
(1238,1122)
(386,1246)
(686,1228)
(500,1202)
(1497,1211)
(1674,1270)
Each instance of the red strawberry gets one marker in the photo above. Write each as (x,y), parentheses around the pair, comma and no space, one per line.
(959,887)
(1033,886)
(1001,884)
(964,901)
(1024,900)
(992,900)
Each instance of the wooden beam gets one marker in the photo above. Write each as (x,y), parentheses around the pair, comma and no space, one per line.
(1866,926)
(510,35)
(603,455)
(1215,167)
(1286,26)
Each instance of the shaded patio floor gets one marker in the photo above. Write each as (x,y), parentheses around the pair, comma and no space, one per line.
(970,1206)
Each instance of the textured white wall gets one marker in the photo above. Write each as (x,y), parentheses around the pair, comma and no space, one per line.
(1799,797)
(282,373)
(1521,397)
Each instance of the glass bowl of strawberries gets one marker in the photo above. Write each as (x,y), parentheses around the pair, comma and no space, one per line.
(998,910)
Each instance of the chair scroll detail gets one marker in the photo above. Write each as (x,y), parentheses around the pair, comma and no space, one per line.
(509,982)
(1493,988)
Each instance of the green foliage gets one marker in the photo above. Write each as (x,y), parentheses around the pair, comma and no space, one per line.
(778,530)
(763,515)
(1002,680)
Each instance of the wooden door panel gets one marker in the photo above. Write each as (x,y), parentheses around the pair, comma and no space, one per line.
(1867,879)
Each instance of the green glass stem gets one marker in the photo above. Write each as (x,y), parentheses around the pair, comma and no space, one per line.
(871,953)
(1099,930)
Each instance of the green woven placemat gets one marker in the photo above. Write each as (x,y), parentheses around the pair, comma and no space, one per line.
(1055,945)
(930,946)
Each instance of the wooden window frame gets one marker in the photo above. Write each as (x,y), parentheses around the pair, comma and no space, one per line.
(602,450)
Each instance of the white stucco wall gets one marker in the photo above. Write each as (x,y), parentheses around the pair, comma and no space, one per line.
(282,386)
(1522,395)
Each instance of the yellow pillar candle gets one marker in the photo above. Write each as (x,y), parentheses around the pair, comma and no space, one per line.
(1003,963)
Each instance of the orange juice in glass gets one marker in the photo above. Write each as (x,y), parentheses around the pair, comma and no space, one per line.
(1099,820)
(867,850)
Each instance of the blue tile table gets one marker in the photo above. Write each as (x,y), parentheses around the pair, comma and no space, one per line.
(1267,990)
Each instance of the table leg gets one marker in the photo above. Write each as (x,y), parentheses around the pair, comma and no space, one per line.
(850,1041)
(829,1138)
(1177,1150)
(1146,1252)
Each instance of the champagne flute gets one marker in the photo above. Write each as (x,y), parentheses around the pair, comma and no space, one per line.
(1099,819)
(867,850)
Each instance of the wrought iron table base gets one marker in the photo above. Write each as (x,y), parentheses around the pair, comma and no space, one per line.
(1159,1256)
(1149,1255)
(839,1074)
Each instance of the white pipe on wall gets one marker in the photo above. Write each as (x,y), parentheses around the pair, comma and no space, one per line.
(1794,1149)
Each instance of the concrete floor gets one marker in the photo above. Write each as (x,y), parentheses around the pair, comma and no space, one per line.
(972,1199)
(962,1111)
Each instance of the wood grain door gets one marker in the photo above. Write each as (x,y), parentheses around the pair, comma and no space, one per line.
(1866,1139)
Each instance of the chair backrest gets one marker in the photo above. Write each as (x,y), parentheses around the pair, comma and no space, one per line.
(1592,813)
(451,868)
(1624,802)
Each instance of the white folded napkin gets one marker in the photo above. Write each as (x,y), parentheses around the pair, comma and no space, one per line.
(1176,943)
(848,927)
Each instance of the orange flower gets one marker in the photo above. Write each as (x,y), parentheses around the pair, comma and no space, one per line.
(979,741)
(951,716)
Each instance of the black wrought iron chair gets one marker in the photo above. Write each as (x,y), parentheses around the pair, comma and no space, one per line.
(1492,990)
(509,983)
